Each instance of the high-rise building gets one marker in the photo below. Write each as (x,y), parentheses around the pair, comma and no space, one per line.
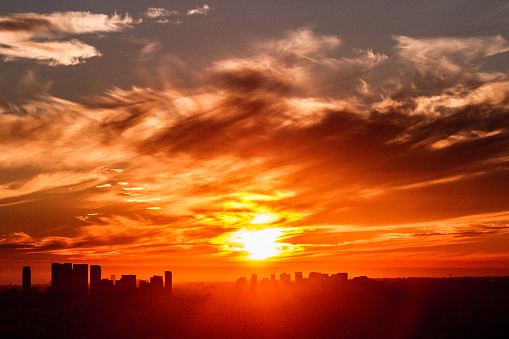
(285,278)
(168,281)
(80,281)
(254,280)
(340,277)
(145,289)
(316,277)
(126,286)
(61,281)
(299,278)
(26,285)
(95,279)
(157,281)
(68,282)
(241,283)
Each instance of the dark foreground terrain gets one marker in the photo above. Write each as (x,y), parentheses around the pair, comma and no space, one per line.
(358,308)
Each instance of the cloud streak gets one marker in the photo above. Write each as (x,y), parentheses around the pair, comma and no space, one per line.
(164,15)
(21,35)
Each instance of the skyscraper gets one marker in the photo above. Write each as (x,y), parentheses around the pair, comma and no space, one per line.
(168,281)
(26,286)
(80,281)
(68,282)
(157,282)
(285,278)
(299,278)
(61,280)
(126,286)
(95,279)
(254,280)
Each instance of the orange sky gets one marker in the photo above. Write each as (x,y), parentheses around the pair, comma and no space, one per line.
(295,152)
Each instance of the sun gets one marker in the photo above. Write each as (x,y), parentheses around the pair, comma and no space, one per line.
(261,244)
(258,231)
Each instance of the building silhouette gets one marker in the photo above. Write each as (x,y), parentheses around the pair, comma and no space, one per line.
(26,285)
(95,279)
(299,278)
(68,282)
(285,279)
(152,290)
(241,283)
(340,277)
(61,281)
(79,286)
(168,281)
(254,280)
(126,286)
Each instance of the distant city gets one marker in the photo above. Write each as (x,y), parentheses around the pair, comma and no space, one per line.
(80,303)
(70,282)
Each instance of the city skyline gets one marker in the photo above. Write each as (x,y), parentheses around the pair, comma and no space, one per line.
(234,136)
(322,305)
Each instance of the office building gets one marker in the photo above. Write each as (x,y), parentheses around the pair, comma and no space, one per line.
(299,278)
(254,281)
(126,286)
(61,281)
(340,277)
(26,285)
(168,282)
(80,281)
(95,279)
(68,282)
(285,278)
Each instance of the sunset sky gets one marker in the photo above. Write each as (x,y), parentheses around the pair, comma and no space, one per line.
(225,136)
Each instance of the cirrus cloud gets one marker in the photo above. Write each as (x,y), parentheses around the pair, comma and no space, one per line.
(21,35)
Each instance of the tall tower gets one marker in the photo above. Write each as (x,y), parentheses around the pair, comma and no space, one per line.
(95,279)
(61,280)
(299,278)
(26,286)
(254,281)
(80,281)
(168,281)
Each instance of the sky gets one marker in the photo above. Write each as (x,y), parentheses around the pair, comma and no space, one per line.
(229,136)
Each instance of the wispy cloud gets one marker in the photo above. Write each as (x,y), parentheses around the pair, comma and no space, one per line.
(443,57)
(164,15)
(154,12)
(21,35)
(203,10)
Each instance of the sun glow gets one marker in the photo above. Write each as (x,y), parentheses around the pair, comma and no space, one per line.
(259,229)
(264,218)
(261,244)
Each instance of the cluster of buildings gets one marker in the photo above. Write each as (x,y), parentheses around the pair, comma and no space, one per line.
(71,283)
(286,279)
